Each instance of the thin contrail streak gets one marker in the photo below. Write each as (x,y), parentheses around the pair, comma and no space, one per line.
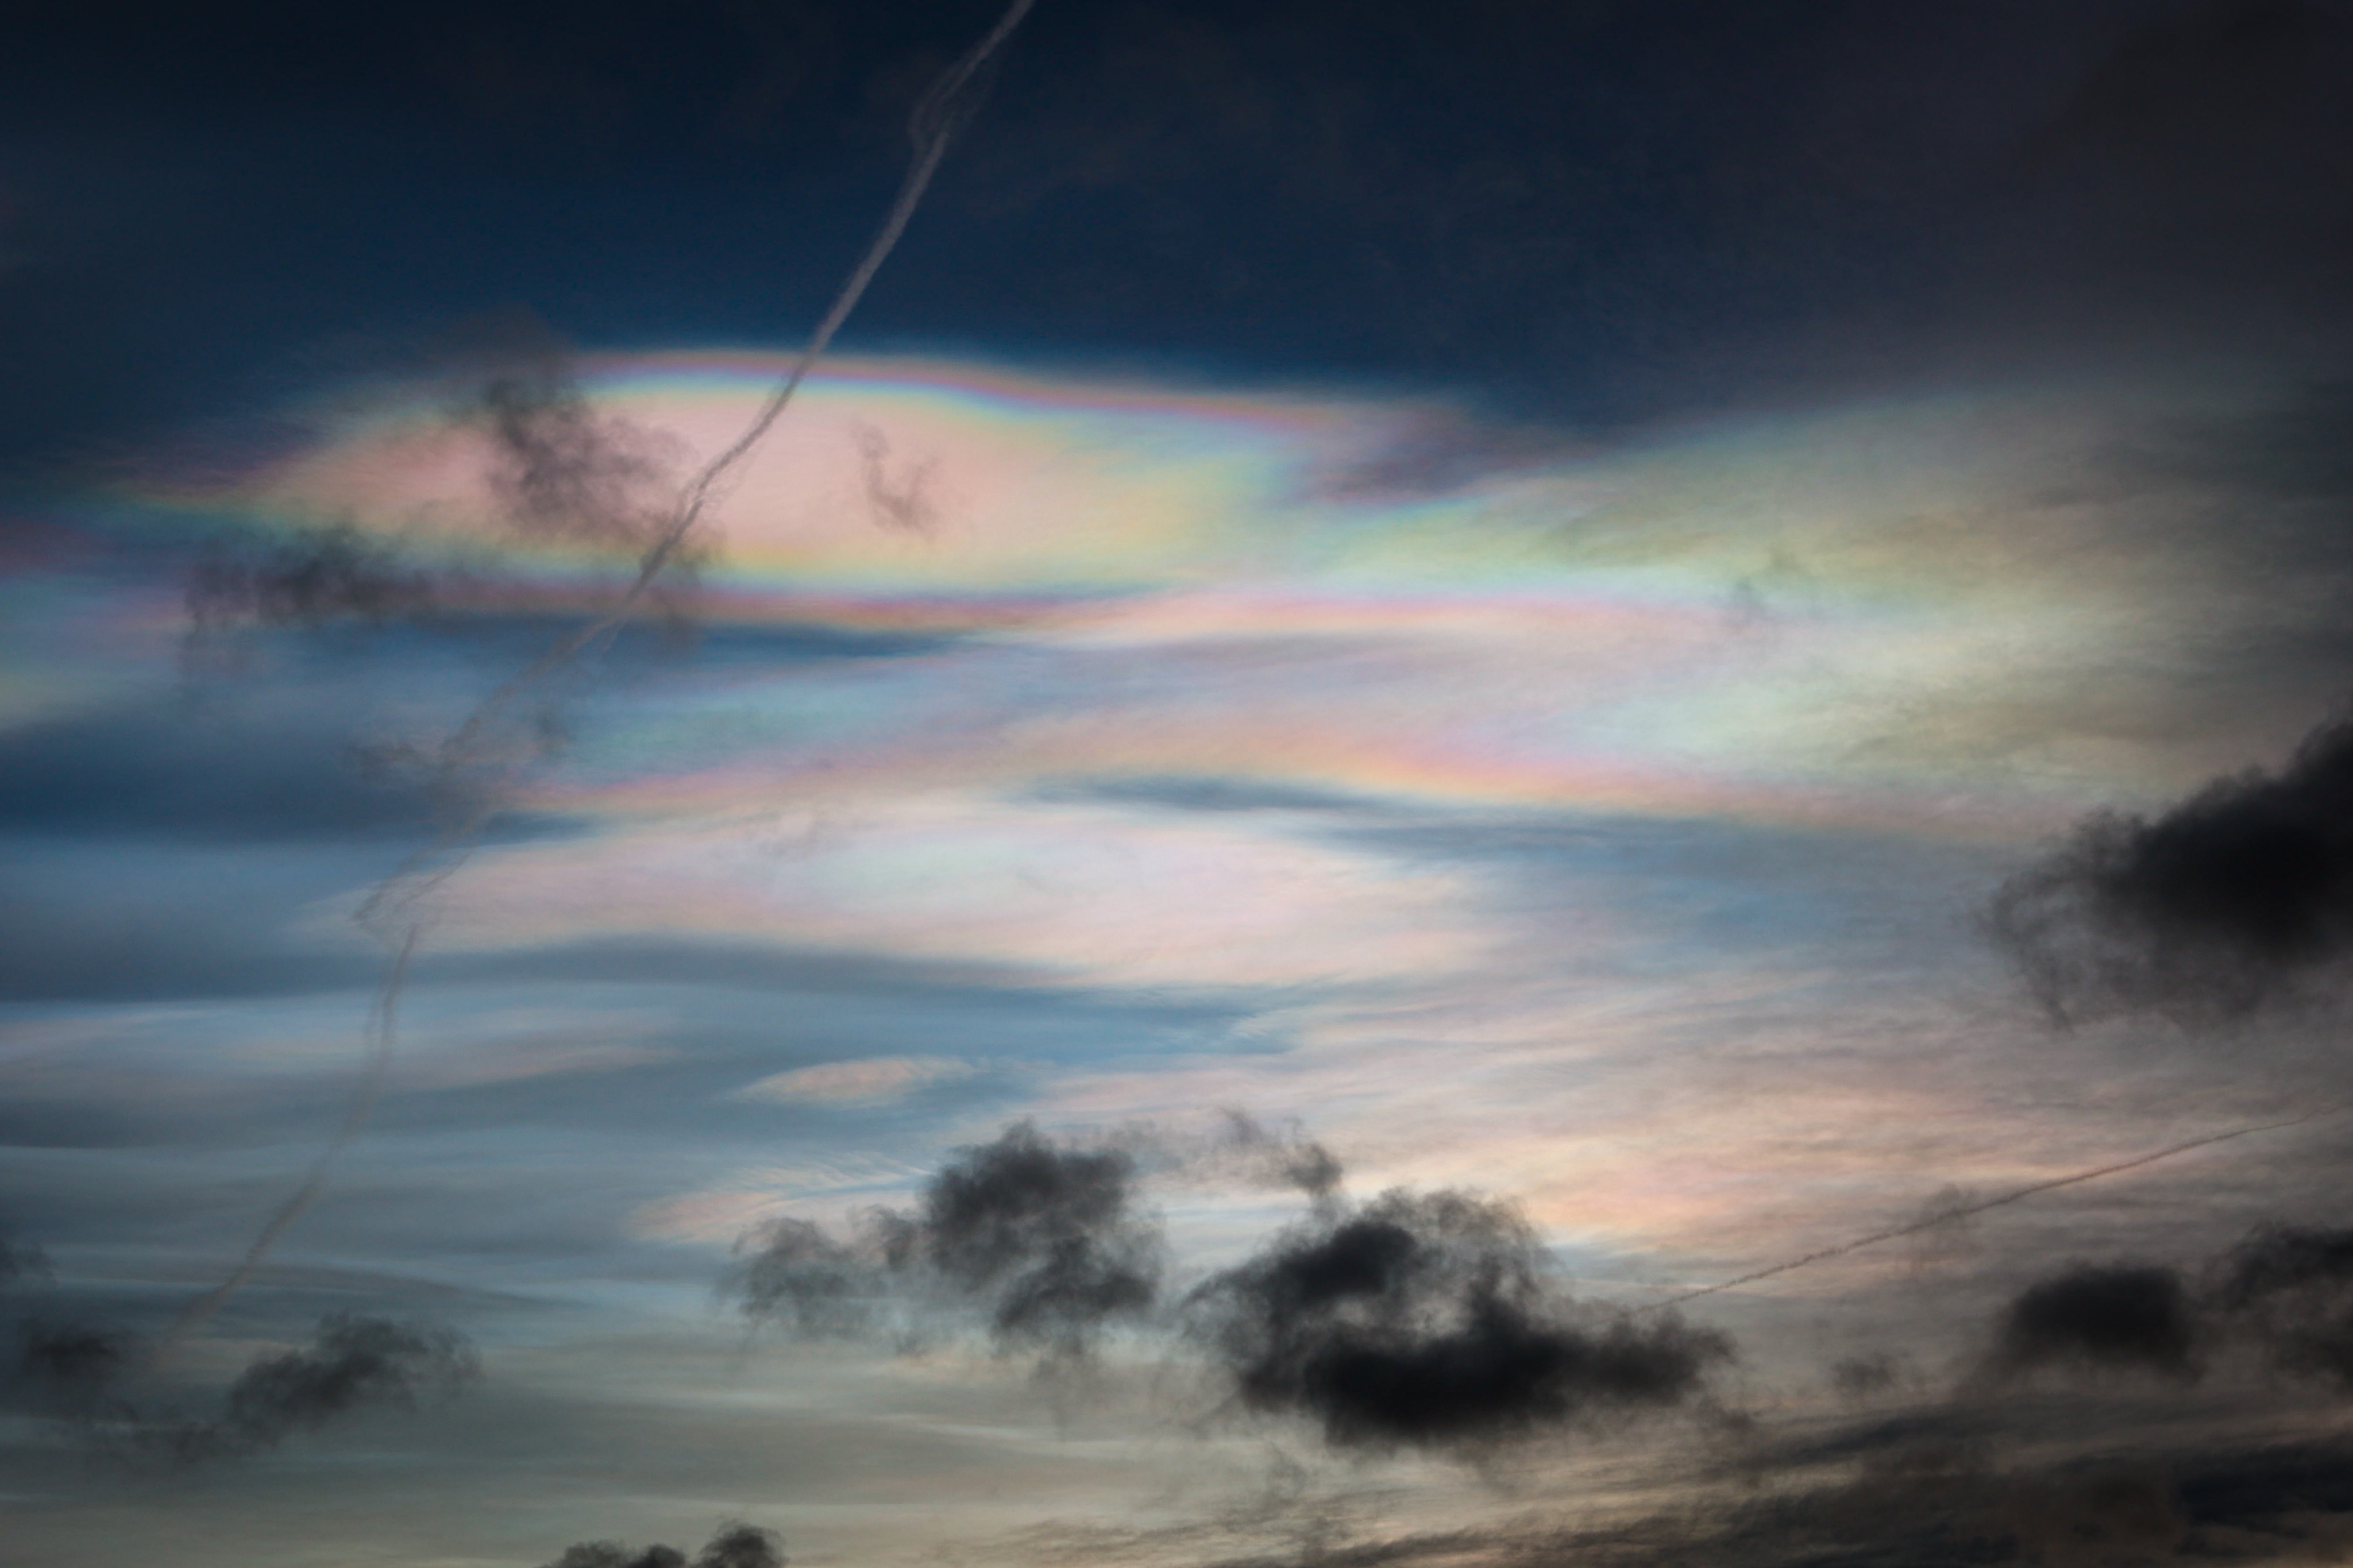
(382,1030)
(932,127)
(1917,1225)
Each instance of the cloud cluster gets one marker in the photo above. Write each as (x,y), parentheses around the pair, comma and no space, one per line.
(1428,1320)
(2227,901)
(351,1364)
(79,1371)
(1045,1240)
(2282,1298)
(734,1546)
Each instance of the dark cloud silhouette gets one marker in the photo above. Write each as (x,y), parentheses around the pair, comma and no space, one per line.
(2226,902)
(351,1364)
(2291,1291)
(736,1546)
(1427,1321)
(1045,1239)
(2115,1317)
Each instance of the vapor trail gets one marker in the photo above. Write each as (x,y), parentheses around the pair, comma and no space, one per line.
(383,1029)
(937,117)
(1932,1221)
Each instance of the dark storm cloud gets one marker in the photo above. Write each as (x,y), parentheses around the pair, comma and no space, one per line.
(2233,899)
(1427,1321)
(736,1546)
(352,1364)
(1045,1240)
(2107,1317)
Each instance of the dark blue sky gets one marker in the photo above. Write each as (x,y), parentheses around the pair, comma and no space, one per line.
(1596,212)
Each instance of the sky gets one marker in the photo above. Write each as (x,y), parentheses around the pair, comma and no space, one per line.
(1476,787)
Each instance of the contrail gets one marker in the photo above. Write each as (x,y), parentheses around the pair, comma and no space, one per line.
(388,911)
(1917,1225)
(382,1028)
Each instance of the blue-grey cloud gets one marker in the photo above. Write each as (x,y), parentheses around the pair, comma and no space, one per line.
(352,1364)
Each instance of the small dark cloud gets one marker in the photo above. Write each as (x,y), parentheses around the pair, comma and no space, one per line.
(2119,1317)
(1867,1376)
(1046,1239)
(736,1546)
(1428,1320)
(902,502)
(1284,1156)
(802,1279)
(69,1367)
(352,1364)
(2229,901)
(308,578)
(563,471)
